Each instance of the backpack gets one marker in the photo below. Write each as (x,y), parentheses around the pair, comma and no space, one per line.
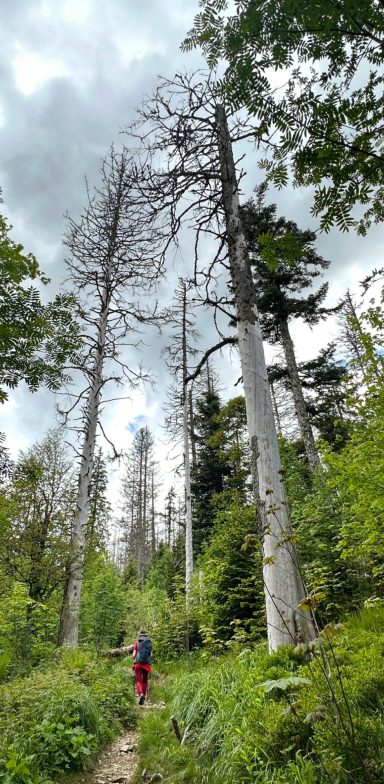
(144,651)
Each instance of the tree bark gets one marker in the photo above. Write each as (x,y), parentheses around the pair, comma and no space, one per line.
(298,397)
(192,429)
(275,410)
(283,584)
(69,622)
(153,527)
(187,466)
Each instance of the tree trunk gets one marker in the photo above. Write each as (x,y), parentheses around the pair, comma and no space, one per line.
(283,585)
(145,503)
(187,466)
(153,527)
(69,622)
(298,397)
(192,429)
(188,504)
(140,520)
(275,410)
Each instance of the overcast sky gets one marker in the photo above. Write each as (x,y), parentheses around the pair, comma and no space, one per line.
(71,74)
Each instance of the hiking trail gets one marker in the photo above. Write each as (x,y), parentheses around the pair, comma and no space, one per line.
(119,760)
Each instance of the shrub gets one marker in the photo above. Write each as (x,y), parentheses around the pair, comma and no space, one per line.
(54,721)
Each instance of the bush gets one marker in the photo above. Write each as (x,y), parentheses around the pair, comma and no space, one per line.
(54,721)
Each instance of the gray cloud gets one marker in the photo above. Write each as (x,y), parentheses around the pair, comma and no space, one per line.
(71,74)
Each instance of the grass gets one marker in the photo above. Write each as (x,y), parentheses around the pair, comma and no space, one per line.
(330,729)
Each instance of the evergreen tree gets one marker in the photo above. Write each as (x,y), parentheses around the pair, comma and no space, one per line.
(137,491)
(210,469)
(285,263)
(100,509)
(231,588)
(326,379)
(232,442)
(170,516)
(325,383)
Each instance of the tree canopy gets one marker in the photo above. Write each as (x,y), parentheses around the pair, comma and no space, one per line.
(37,341)
(311,74)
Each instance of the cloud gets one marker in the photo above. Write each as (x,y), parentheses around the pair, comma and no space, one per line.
(71,74)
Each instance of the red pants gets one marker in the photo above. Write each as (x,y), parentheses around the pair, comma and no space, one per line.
(141,680)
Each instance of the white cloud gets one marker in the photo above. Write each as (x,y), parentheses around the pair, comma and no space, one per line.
(31,70)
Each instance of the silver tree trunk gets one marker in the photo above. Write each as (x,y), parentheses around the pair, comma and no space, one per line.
(283,585)
(298,397)
(69,624)
(187,463)
(188,505)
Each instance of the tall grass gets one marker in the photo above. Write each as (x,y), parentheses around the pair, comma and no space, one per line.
(328,730)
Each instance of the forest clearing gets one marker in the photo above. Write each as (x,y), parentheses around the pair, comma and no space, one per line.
(192,393)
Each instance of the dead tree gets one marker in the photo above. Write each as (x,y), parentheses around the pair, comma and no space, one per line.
(193,180)
(138,498)
(179,353)
(113,262)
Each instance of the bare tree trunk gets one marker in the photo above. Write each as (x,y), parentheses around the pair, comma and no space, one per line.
(140,519)
(192,429)
(275,410)
(283,585)
(145,503)
(69,622)
(187,467)
(298,397)
(153,528)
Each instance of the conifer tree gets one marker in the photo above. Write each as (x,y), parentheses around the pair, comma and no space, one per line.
(323,380)
(137,508)
(113,263)
(209,471)
(100,509)
(284,264)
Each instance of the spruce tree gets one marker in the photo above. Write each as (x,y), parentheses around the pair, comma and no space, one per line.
(323,380)
(210,469)
(137,507)
(285,263)
(100,509)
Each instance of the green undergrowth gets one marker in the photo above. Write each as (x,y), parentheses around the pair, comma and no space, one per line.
(54,721)
(304,716)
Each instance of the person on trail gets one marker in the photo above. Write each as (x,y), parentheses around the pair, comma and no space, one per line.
(142,660)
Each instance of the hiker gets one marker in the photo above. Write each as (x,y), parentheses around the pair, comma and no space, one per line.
(142,650)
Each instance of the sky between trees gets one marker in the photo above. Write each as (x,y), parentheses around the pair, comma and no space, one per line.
(71,75)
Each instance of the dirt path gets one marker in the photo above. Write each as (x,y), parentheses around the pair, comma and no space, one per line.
(117,762)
